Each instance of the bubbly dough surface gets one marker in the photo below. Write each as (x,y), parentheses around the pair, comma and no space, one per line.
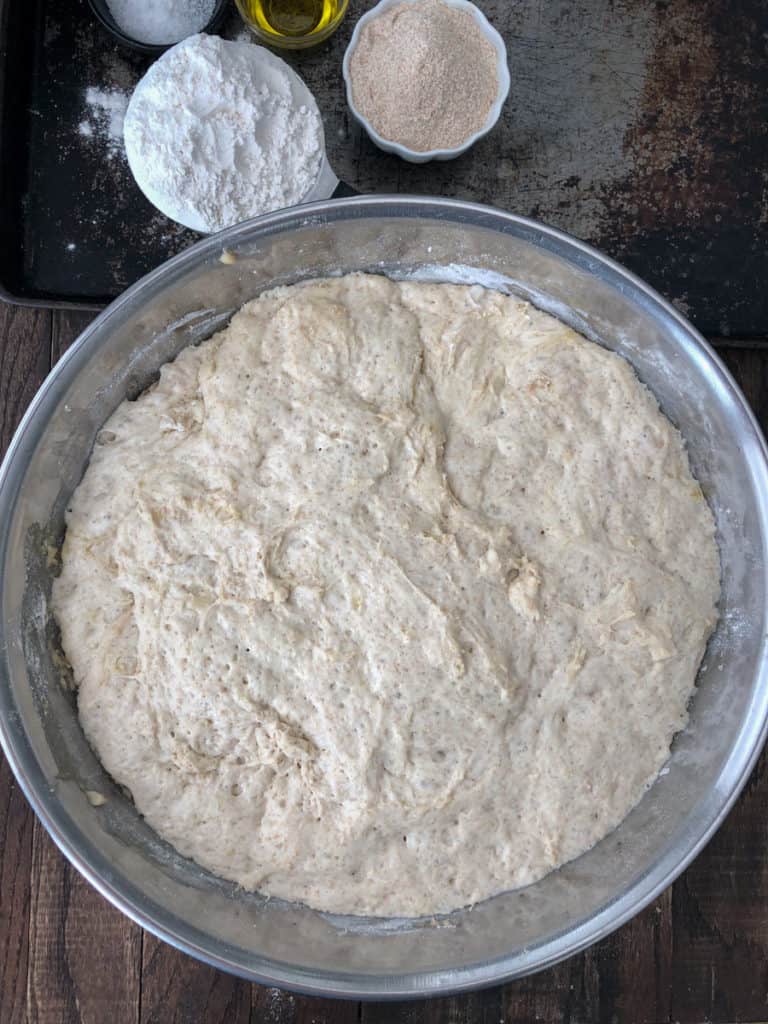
(388,597)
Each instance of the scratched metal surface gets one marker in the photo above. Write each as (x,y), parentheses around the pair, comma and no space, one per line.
(638,125)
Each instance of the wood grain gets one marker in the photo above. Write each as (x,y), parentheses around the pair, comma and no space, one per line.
(486,1007)
(84,956)
(178,990)
(24,361)
(66,326)
(273,1006)
(15,859)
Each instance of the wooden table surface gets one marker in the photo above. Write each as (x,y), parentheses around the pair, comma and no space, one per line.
(700,952)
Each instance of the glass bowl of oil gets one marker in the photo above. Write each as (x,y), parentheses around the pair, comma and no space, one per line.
(292,24)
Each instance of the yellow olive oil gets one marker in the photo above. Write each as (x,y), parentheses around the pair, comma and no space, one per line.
(292,23)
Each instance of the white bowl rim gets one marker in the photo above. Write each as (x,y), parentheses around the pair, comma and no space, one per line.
(502,70)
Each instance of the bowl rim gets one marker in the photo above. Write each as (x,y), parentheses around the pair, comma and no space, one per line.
(502,71)
(95,867)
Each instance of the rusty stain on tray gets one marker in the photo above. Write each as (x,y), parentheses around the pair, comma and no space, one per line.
(638,125)
(689,147)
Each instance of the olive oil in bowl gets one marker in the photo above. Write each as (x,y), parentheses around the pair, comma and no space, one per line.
(292,24)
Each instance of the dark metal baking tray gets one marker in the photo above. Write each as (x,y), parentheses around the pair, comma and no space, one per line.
(640,126)
(75,229)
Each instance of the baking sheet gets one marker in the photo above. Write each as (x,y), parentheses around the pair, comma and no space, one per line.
(640,126)
(78,231)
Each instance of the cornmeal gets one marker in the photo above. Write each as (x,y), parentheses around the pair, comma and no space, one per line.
(389,597)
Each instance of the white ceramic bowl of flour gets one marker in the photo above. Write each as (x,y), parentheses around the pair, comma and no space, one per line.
(219,132)
(502,74)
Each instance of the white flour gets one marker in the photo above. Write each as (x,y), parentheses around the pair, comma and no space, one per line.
(218,132)
(161,21)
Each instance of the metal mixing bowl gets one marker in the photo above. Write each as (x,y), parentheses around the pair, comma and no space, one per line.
(283,944)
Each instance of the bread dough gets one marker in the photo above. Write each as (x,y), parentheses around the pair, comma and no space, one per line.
(389,597)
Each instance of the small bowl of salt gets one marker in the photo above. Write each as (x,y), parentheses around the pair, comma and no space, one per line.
(151,27)
(426,78)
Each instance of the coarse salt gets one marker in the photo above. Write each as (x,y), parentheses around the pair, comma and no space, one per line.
(157,22)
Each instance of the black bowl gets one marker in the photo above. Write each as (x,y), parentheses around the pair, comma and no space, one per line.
(101,9)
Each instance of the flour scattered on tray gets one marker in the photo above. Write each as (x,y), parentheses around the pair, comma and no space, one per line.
(104,119)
